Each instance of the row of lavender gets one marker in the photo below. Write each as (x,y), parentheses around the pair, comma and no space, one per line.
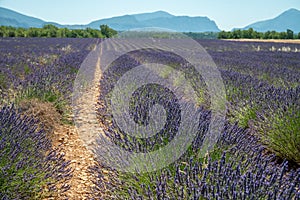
(257,155)
(264,94)
(262,86)
(43,69)
(46,63)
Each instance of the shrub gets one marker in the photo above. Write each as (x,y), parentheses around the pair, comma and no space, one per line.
(29,168)
(280,133)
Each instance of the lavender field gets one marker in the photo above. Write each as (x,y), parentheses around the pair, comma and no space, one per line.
(256,157)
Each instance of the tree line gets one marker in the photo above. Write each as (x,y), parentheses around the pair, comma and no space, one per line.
(50,30)
(204,35)
(105,31)
(252,34)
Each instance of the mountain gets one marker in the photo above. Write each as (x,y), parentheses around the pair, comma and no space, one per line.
(159,19)
(15,19)
(289,19)
(154,15)
(12,18)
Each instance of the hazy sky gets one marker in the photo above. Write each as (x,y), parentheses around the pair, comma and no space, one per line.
(227,14)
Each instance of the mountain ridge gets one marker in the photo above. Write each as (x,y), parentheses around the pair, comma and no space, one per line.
(289,19)
(8,16)
(159,19)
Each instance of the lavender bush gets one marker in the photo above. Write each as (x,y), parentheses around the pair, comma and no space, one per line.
(29,168)
(262,86)
(257,156)
(43,69)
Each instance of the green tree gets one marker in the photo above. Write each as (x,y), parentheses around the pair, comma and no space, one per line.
(1,32)
(237,34)
(251,33)
(245,34)
(290,34)
(21,32)
(107,31)
(267,35)
(43,33)
(11,32)
(283,35)
(94,33)
(33,32)
(274,35)
(223,35)
(50,30)
(257,35)
(63,32)
(72,34)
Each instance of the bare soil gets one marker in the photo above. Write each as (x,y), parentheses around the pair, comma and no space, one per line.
(296,41)
(66,138)
(75,146)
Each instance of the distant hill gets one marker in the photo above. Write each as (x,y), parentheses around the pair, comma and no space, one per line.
(153,15)
(289,19)
(15,19)
(159,19)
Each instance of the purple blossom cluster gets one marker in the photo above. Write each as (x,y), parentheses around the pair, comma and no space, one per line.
(30,168)
(42,68)
(245,178)
(256,157)
(237,168)
(143,99)
(260,83)
(35,65)
(279,68)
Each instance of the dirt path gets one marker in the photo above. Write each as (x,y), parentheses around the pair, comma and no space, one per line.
(296,41)
(75,145)
(81,159)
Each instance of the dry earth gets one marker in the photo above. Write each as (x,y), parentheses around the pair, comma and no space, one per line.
(77,143)
(296,41)
(66,139)
(81,159)
(74,144)
(69,141)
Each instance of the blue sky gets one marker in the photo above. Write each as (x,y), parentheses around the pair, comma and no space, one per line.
(227,14)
